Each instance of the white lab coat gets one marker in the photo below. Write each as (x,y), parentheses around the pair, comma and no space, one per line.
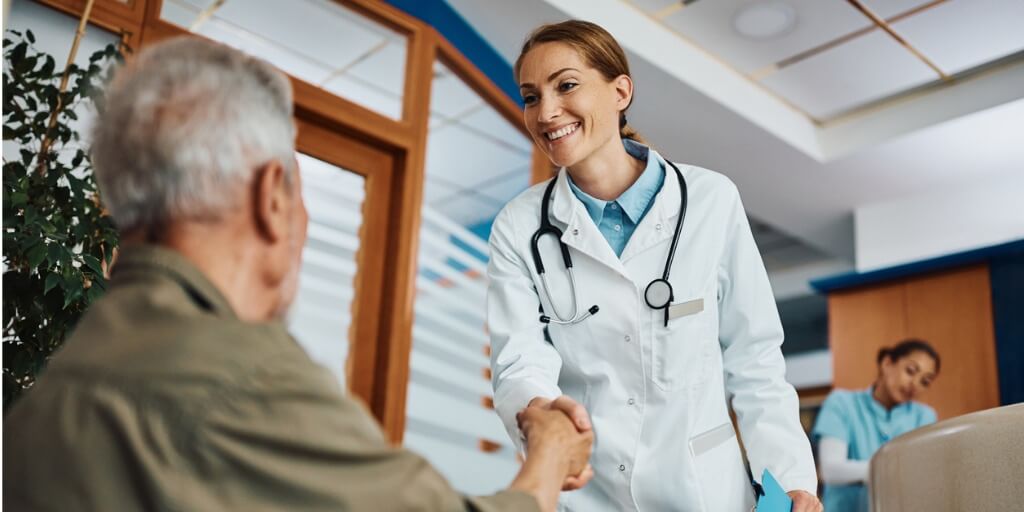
(657,396)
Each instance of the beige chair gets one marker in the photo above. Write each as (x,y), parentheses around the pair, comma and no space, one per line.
(972,463)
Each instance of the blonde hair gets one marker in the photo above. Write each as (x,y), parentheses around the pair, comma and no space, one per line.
(597,47)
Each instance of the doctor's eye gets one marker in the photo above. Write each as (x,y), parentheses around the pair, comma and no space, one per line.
(529,98)
(567,86)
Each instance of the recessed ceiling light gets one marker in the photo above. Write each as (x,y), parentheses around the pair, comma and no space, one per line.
(764,20)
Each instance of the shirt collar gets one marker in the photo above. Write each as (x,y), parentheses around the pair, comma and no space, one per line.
(150,259)
(635,200)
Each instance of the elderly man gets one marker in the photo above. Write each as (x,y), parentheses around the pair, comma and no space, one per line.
(181,389)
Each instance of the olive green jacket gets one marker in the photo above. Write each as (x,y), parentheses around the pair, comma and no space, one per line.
(163,399)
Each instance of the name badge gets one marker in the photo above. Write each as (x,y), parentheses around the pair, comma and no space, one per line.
(687,308)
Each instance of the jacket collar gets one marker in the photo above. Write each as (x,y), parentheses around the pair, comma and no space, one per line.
(150,260)
(581,233)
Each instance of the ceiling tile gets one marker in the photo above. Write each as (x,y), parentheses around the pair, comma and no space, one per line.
(709,24)
(458,155)
(385,68)
(366,94)
(330,34)
(865,69)
(959,35)
(487,121)
(449,95)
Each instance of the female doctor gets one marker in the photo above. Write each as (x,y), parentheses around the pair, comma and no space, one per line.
(627,291)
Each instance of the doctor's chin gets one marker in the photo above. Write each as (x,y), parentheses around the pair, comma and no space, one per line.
(543,255)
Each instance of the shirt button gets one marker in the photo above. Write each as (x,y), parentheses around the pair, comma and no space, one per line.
(631,401)
(615,206)
(622,467)
(627,338)
(617,227)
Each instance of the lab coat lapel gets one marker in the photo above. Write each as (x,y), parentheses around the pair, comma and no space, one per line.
(660,222)
(580,232)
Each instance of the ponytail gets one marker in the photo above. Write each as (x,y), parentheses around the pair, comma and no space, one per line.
(627,132)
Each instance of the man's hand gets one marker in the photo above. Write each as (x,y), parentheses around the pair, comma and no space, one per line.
(549,429)
(557,457)
(567,405)
(804,501)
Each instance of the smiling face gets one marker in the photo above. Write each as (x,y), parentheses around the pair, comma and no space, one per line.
(571,110)
(908,377)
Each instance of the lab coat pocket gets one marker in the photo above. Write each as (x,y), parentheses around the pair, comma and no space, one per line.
(681,352)
(724,485)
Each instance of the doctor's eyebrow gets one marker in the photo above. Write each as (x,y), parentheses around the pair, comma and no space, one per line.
(550,77)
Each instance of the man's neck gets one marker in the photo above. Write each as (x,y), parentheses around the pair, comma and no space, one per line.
(225,259)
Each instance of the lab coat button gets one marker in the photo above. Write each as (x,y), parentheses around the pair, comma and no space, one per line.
(576,232)
(658,227)
(622,467)
(631,401)
(627,338)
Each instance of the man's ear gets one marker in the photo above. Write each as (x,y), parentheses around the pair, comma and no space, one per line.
(623,91)
(271,200)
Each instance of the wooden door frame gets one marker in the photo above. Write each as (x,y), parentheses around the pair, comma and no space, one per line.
(383,307)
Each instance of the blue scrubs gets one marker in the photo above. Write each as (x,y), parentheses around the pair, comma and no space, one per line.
(857,418)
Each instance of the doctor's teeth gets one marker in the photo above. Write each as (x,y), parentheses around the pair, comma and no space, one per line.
(562,132)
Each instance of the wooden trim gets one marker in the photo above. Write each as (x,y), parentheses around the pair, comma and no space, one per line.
(397,311)
(108,14)
(377,167)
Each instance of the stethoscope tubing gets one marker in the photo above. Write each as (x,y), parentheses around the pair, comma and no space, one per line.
(547,228)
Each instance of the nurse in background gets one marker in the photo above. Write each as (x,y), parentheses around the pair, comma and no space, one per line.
(853,425)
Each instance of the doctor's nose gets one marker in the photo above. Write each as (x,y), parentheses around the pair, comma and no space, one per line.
(548,110)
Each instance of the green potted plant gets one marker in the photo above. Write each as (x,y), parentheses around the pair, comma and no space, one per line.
(57,238)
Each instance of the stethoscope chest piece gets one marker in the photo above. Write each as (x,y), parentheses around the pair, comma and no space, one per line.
(658,294)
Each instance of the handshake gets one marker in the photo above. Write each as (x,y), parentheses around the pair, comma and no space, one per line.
(558,441)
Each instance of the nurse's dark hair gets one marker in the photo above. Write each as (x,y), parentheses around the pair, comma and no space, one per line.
(597,47)
(907,347)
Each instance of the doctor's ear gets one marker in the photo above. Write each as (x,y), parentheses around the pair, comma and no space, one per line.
(624,91)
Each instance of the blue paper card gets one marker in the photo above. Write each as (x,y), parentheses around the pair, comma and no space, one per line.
(774,498)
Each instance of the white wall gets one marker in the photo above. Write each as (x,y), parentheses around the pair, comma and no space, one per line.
(925,226)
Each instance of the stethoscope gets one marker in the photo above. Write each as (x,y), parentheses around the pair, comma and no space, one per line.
(658,293)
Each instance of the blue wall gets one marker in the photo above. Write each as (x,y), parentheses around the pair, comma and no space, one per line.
(463,36)
(1007,275)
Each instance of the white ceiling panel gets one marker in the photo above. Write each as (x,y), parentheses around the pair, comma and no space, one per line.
(385,68)
(709,24)
(330,33)
(449,95)
(865,69)
(961,34)
(458,155)
(888,8)
(487,120)
(366,94)
(504,190)
(288,61)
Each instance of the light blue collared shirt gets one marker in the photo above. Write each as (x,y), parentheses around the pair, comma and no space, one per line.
(619,218)
(857,418)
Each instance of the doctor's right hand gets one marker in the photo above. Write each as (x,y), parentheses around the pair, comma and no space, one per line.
(551,435)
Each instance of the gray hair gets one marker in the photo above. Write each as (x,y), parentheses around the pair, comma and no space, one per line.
(184,127)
